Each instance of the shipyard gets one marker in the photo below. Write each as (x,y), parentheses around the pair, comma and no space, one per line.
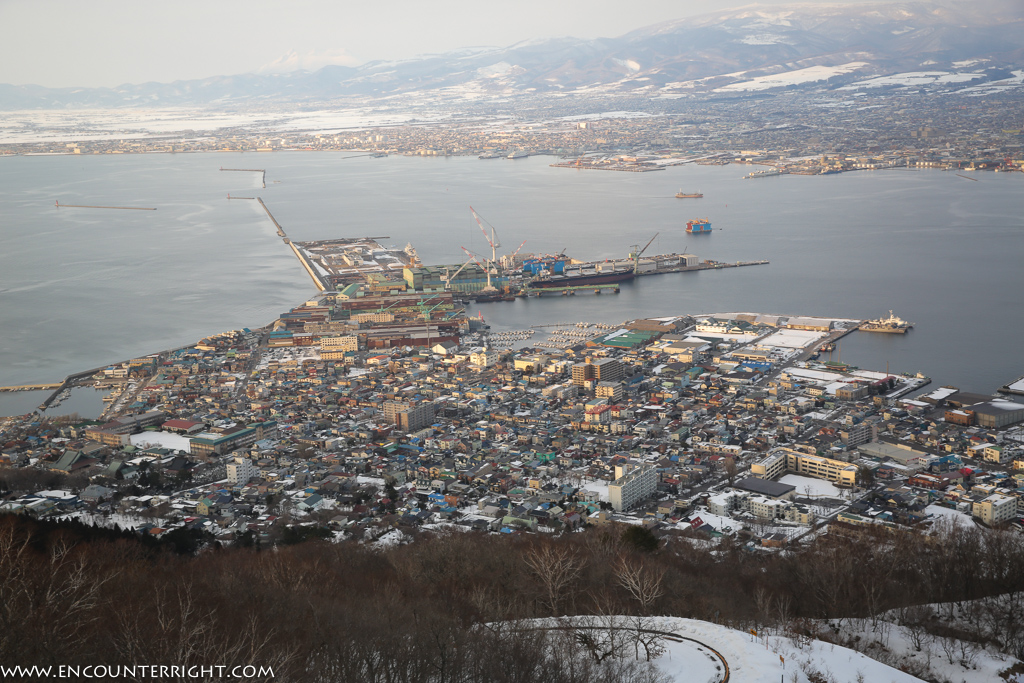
(355,268)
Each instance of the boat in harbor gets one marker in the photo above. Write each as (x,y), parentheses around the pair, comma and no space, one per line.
(490,156)
(698,226)
(765,173)
(688,195)
(518,155)
(891,325)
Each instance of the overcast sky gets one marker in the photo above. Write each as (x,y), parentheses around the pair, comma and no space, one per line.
(89,43)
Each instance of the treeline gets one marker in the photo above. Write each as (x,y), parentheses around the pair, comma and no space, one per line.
(442,608)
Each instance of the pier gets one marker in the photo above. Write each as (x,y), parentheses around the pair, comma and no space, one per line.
(280,230)
(261,171)
(1015,387)
(31,387)
(570,291)
(320,284)
(707,265)
(88,206)
(606,166)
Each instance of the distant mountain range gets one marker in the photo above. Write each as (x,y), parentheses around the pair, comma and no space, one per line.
(734,51)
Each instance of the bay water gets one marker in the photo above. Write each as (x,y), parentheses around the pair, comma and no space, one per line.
(82,288)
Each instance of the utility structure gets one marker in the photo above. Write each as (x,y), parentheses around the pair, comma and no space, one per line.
(637,251)
(493,242)
(483,266)
(449,276)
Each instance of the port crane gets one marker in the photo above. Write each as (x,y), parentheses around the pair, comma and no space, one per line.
(382,309)
(426,314)
(489,287)
(451,276)
(637,252)
(492,239)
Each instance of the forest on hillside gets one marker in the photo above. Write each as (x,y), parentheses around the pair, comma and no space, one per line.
(450,605)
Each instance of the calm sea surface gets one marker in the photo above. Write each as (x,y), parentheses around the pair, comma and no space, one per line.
(80,288)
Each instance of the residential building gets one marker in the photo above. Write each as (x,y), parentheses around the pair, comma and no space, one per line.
(633,486)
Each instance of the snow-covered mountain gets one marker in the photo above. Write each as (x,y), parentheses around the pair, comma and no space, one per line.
(843,43)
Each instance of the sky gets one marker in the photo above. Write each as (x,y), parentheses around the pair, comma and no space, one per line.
(105,43)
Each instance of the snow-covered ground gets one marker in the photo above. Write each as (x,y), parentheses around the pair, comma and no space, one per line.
(954,516)
(895,643)
(808,75)
(600,487)
(170,440)
(697,649)
(809,486)
(914,78)
(121,520)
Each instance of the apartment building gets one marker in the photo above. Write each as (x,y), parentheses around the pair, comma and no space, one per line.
(995,509)
(634,485)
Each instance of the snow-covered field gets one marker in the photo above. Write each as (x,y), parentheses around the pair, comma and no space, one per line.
(97,124)
(953,516)
(697,649)
(808,75)
(599,487)
(895,643)
(170,440)
(809,486)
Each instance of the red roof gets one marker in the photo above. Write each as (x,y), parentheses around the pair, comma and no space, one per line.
(180,424)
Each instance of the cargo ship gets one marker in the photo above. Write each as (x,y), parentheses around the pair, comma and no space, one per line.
(698,226)
(766,173)
(587,280)
(688,195)
(891,325)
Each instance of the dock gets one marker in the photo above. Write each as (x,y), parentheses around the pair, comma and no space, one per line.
(570,291)
(1016,387)
(627,167)
(31,387)
(707,265)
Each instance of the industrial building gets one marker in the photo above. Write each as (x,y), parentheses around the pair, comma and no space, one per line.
(455,278)
(996,414)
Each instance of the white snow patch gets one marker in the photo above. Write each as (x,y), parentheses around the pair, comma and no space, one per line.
(169,440)
(811,487)
(809,75)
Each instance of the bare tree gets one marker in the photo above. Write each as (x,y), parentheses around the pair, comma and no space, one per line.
(731,470)
(556,568)
(643,583)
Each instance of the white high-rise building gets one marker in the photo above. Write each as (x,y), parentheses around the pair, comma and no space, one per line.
(241,470)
